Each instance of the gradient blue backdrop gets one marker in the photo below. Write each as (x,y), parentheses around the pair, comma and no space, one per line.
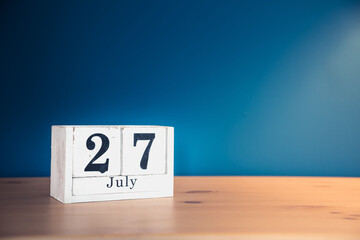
(251,87)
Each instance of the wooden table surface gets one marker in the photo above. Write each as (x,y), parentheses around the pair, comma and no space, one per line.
(202,208)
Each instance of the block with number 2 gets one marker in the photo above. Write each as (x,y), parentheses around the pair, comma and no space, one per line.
(103,163)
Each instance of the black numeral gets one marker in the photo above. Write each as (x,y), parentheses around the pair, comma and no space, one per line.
(145,156)
(90,144)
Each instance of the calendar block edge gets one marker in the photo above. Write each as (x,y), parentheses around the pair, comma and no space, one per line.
(170,157)
(61,167)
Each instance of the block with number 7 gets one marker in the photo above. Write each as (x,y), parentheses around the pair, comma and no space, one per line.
(102,163)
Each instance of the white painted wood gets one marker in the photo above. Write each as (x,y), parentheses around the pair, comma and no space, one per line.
(57,180)
(119,184)
(82,155)
(61,164)
(121,196)
(170,159)
(134,149)
(124,178)
(68,164)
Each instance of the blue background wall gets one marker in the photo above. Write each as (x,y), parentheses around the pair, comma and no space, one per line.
(251,87)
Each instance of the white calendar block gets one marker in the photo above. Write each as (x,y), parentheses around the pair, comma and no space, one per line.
(144,147)
(96,147)
(118,184)
(102,163)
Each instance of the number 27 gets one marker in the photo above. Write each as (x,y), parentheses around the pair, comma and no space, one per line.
(103,167)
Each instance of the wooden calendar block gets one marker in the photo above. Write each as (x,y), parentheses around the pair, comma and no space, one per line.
(144,147)
(118,184)
(101,163)
(97,151)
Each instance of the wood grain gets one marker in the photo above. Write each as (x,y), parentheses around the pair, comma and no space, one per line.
(202,208)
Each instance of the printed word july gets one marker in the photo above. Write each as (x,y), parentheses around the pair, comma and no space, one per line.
(127,182)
